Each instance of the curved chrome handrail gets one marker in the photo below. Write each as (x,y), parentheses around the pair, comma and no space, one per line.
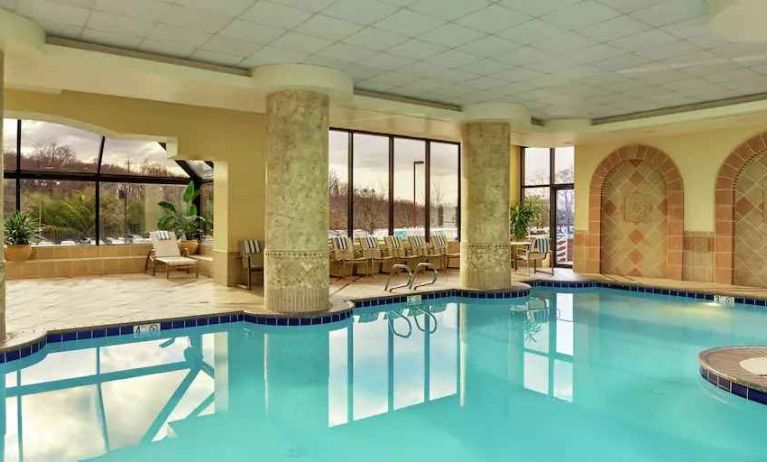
(394,331)
(426,313)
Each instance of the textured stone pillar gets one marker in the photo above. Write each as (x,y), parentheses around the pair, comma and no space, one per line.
(2,188)
(485,249)
(296,266)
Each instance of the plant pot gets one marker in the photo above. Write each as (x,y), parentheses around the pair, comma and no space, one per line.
(20,252)
(190,246)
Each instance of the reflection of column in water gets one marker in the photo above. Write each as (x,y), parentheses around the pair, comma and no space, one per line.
(516,353)
(221,366)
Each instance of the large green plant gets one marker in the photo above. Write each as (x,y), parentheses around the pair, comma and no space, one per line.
(184,221)
(522,214)
(21,228)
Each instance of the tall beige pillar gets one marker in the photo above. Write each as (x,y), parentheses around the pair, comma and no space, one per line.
(2,188)
(296,256)
(485,249)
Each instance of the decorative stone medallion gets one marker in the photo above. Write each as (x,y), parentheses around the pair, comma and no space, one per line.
(636,208)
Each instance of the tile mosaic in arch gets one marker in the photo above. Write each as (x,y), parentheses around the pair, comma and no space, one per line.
(634,221)
(750,223)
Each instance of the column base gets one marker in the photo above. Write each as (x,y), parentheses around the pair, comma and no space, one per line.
(296,281)
(485,266)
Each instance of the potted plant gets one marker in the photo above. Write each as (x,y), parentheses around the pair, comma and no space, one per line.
(21,231)
(522,214)
(184,222)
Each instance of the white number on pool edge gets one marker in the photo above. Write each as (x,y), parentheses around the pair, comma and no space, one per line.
(413,299)
(146,330)
(724,299)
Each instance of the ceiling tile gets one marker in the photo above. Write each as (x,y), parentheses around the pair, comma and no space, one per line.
(643,40)
(671,11)
(452,58)
(217,57)
(492,19)
(294,41)
(614,28)
(488,66)
(61,30)
(415,49)
(231,46)
(178,48)
(150,10)
(311,6)
(118,24)
(530,32)
(327,27)
(489,45)
(450,35)
(250,31)
(58,13)
(409,23)
(387,61)
(227,7)
(580,15)
(522,55)
(618,63)
(272,55)
(193,18)
(276,15)
(375,39)
(111,38)
(627,6)
(345,52)
(565,41)
(537,7)
(191,37)
(448,10)
(669,50)
(360,11)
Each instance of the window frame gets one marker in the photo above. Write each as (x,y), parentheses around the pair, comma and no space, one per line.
(553,188)
(98,177)
(427,174)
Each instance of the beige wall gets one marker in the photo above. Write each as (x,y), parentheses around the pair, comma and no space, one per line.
(514,175)
(697,155)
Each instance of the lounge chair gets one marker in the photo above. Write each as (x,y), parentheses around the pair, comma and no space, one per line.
(343,252)
(370,249)
(536,252)
(439,243)
(165,251)
(252,259)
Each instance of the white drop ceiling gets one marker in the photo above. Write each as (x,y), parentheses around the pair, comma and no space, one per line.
(561,58)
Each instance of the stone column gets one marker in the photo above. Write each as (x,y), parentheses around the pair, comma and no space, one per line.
(485,249)
(2,188)
(296,265)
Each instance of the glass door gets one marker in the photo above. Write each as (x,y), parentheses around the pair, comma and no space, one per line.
(563,225)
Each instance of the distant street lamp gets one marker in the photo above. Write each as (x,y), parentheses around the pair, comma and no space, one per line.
(415,208)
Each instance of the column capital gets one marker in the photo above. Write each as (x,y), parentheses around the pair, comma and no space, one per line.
(514,114)
(19,31)
(336,84)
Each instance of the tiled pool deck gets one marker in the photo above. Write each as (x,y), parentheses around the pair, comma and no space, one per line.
(89,305)
(721,367)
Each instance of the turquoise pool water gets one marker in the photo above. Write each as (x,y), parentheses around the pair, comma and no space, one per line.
(582,375)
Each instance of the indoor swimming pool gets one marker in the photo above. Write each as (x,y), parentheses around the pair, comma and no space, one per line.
(566,374)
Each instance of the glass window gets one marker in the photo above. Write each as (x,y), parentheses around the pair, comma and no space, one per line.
(129,211)
(201,168)
(338,182)
(409,186)
(206,200)
(138,157)
(9,196)
(564,165)
(537,166)
(65,209)
(541,195)
(443,189)
(10,132)
(371,184)
(52,147)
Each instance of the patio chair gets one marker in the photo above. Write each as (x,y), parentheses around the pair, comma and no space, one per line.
(165,251)
(370,249)
(439,243)
(536,252)
(252,259)
(343,252)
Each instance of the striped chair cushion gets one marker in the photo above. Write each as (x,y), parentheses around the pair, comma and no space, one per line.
(416,241)
(393,241)
(540,245)
(369,242)
(439,240)
(341,243)
(163,235)
(250,247)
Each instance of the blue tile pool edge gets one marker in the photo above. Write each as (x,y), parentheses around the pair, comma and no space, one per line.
(733,386)
(26,349)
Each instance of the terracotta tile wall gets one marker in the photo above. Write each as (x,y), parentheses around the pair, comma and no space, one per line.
(67,261)
(698,256)
(726,215)
(750,224)
(589,244)
(634,224)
